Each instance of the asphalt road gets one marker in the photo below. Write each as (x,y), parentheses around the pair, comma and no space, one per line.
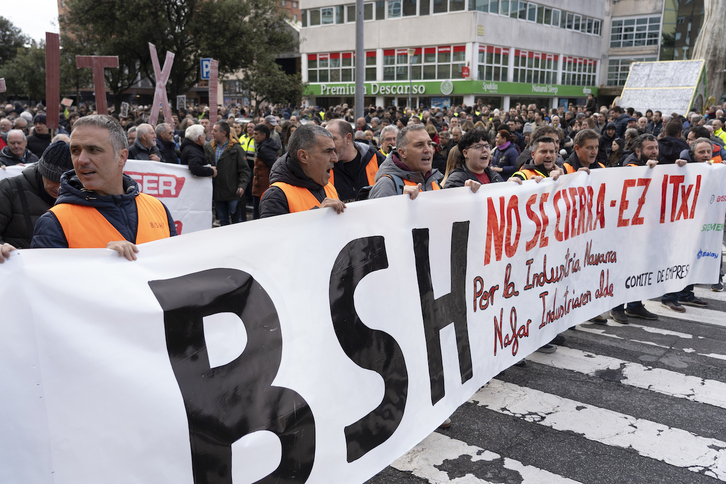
(637,403)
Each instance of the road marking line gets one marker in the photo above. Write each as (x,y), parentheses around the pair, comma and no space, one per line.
(707,293)
(650,439)
(701,315)
(425,461)
(666,382)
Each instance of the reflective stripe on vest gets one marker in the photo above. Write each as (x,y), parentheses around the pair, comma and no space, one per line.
(371,170)
(527,174)
(248,143)
(86,228)
(409,183)
(300,199)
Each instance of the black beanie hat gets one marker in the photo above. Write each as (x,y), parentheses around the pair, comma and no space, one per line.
(55,161)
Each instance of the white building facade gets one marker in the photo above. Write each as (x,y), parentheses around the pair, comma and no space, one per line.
(447,52)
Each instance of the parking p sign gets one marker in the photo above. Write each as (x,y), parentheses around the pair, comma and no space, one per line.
(206,68)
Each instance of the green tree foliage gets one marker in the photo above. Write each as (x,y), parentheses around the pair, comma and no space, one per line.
(12,40)
(237,33)
(103,27)
(25,73)
(267,82)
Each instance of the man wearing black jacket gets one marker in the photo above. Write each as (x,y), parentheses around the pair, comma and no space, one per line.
(357,164)
(40,139)
(671,144)
(192,152)
(265,156)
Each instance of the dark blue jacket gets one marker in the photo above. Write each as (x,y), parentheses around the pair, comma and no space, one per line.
(506,160)
(621,124)
(119,210)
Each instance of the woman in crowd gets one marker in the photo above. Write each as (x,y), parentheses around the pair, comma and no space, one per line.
(504,159)
(618,153)
(470,162)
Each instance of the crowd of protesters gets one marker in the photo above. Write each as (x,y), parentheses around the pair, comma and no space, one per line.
(477,143)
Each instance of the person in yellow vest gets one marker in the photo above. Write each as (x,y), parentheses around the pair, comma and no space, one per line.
(357,164)
(299,179)
(544,155)
(407,168)
(98,206)
(388,139)
(584,157)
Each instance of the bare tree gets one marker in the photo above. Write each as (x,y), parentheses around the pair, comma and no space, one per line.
(711,47)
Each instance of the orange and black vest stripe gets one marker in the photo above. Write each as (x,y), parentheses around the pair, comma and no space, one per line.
(300,199)
(86,228)
(409,183)
(571,169)
(527,173)
(371,170)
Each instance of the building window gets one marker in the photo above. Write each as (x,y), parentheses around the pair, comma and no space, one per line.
(327,16)
(314,17)
(338,67)
(516,9)
(579,71)
(444,62)
(493,63)
(294,4)
(283,3)
(370,66)
(504,8)
(618,69)
(634,32)
(425,7)
(535,67)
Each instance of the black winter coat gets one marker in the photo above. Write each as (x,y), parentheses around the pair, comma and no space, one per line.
(193,156)
(669,149)
(167,151)
(14,229)
(233,172)
(458,176)
(7,157)
(37,143)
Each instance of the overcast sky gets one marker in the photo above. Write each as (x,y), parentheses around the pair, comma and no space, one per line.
(33,17)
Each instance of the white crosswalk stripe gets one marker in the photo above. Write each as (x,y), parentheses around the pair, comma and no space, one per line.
(423,460)
(692,314)
(655,379)
(674,446)
(644,402)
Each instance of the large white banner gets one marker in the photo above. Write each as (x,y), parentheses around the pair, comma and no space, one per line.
(318,347)
(188,198)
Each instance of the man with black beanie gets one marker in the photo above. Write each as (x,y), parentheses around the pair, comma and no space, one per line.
(40,139)
(24,198)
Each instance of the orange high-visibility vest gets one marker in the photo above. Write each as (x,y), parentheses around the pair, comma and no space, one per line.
(371,170)
(571,169)
(300,199)
(86,228)
(526,174)
(409,183)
